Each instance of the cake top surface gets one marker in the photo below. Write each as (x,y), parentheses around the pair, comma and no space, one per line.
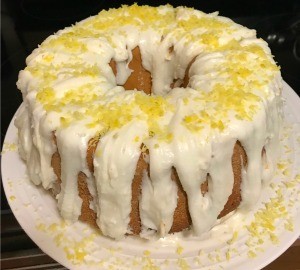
(72,78)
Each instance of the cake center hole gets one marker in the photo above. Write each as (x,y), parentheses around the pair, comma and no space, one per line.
(141,79)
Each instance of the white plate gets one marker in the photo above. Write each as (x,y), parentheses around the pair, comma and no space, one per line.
(263,235)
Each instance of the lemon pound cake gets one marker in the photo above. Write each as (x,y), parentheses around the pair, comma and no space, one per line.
(151,120)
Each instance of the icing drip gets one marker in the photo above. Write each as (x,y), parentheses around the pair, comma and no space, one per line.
(159,198)
(115,162)
(70,90)
(26,148)
(72,143)
(35,146)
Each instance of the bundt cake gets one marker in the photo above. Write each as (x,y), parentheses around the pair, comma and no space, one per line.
(151,119)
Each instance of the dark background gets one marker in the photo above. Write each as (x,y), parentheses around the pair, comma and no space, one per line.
(26,23)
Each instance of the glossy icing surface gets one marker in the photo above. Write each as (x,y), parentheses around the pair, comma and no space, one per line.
(234,94)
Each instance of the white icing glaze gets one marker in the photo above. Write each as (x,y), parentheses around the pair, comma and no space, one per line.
(115,162)
(233,95)
(159,198)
